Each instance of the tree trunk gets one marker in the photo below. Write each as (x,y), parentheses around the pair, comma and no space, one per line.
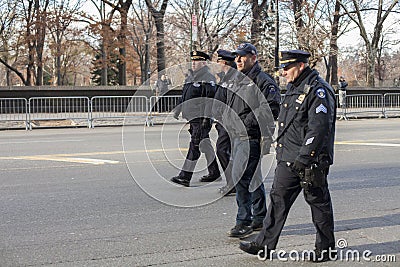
(297,11)
(333,52)
(160,45)
(255,29)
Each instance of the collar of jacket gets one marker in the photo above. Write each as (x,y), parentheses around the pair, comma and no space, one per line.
(306,77)
(201,74)
(246,78)
(230,75)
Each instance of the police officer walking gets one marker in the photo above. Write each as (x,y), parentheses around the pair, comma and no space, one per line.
(223,146)
(199,86)
(304,153)
(250,100)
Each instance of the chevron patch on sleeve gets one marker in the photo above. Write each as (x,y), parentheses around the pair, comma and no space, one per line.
(321,108)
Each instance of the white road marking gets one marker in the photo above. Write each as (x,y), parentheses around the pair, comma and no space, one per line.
(38,141)
(366,144)
(74,160)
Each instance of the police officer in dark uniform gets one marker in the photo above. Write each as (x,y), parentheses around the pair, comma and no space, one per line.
(304,153)
(249,120)
(196,108)
(223,145)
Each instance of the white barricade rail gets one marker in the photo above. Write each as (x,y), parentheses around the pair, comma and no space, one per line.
(391,104)
(14,110)
(161,107)
(132,109)
(58,108)
(364,104)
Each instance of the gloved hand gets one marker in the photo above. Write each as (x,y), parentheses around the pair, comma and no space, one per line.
(298,167)
(206,123)
(176,115)
(266,143)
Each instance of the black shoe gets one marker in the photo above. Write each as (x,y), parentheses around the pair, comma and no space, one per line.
(227,190)
(181,180)
(254,249)
(323,255)
(257,226)
(240,231)
(210,178)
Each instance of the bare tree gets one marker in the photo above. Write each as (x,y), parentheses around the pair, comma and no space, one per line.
(8,35)
(217,20)
(123,8)
(60,18)
(360,11)
(142,32)
(158,16)
(257,11)
(101,27)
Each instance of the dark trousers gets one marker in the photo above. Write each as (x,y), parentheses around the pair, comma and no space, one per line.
(223,147)
(246,174)
(285,189)
(199,143)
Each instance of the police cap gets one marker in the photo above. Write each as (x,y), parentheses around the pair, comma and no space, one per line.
(291,56)
(244,49)
(225,55)
(199,55)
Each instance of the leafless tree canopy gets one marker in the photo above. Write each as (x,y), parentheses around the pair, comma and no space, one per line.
(68,42)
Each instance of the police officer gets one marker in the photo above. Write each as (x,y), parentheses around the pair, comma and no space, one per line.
(252,97)
(199,86)
(223,145)
(304,154)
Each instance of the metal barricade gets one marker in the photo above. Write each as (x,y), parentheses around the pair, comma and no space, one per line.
(391,104)
(14,110)
(132,108)
(58,108)
(364,105)
(161,106)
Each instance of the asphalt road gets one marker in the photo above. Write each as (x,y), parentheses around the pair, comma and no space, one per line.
(101,197)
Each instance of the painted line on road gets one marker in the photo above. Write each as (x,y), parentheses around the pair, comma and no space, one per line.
(366,144)
(74,160)
(76,157)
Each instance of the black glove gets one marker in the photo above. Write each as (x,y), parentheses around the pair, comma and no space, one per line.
(176,115)
(298,167)
(206,123)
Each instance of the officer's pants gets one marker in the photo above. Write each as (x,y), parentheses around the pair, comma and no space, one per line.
(285,189)
(246,174)
(199,142)
(223,146)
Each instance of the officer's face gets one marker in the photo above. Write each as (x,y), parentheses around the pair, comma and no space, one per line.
(292,71)
(245,63)
(223,65)
(197,64)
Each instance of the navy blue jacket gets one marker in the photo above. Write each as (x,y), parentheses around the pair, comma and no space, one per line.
(198,88)
(307,121)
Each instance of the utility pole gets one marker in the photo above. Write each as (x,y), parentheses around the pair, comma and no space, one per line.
(194,26)
(277,41)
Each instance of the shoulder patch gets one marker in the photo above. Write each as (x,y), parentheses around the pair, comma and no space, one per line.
(321,93)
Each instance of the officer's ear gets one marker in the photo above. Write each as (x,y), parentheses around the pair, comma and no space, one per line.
(302,66)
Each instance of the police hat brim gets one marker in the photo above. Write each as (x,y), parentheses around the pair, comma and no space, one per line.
(240,52)
(284,65)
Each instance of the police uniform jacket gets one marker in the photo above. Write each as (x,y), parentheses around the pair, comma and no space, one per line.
(307,121)
(199,85)
(224,85)
(248,114)
(268,87)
